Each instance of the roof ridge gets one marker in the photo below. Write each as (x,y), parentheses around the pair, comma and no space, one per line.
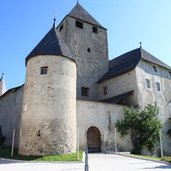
(124,54)
(151,58)
(80,13)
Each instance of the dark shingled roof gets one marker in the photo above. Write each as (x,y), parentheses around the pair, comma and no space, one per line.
(128,62)
(12,90)
(51,44)
(118,98)
(148,57)
(80,13)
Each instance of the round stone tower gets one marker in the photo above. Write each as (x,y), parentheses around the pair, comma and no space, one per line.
(48,121)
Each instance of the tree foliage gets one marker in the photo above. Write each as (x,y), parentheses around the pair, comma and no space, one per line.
(143,126)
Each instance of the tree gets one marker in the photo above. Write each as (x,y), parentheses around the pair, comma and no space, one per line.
(143,126)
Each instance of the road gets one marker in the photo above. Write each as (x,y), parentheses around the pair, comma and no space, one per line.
(97,162)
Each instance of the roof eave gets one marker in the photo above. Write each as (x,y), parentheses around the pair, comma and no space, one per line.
(115,75)
(29,57)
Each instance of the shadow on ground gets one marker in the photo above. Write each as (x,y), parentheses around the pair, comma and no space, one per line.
(160,167)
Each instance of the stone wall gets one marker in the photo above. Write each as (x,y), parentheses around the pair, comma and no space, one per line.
(91,65)
(103,116)
(48,123)
(119,85)
(161,98)
(10,114)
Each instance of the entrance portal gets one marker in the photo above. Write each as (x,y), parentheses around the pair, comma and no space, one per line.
(93,139)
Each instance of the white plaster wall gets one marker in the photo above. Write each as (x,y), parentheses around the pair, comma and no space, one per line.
(10,114)
(161,98)
(48,123)
(103,116)
(118,85)
(3,88)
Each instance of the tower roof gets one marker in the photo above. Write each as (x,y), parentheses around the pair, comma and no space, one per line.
(80,13)
(51,44)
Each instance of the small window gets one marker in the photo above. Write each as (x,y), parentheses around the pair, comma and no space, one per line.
(61,27)
(158,86)
(88,50)
(148,84)
(105,90)
(79,24)
(170,74)
(43,70)
(38,134)
(154,68)
(84,91)
(95,30)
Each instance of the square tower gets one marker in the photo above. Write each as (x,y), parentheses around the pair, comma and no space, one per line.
(87,41)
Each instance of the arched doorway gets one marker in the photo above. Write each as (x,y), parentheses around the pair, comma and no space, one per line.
(93,139)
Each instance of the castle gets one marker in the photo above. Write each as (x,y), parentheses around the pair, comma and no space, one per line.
(73,94)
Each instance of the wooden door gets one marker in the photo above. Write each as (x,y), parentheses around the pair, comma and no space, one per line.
(93,139)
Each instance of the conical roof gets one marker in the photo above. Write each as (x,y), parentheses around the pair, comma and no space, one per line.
(51,44)
(80,13)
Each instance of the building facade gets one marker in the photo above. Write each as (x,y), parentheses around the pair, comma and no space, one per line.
(73,94)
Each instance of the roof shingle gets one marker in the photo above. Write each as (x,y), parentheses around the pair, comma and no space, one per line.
(118,98)
(128,62)
(51,44)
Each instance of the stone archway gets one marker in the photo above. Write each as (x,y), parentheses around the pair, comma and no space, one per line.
(93,139)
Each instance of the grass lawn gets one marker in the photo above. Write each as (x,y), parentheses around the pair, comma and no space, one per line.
(146,157)
(5,152)
(166,159)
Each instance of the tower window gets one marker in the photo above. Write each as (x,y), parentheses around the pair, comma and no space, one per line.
(158,86)
(94,29)
(105,90)
(43,70)
(84,91)
(61,27)
(154,68)
(79,24)
(88,50)
(38,134)
(148,84)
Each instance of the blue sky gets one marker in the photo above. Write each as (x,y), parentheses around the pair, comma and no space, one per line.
(24,23)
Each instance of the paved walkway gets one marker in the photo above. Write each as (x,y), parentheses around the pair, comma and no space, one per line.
(111,162)
(97,162)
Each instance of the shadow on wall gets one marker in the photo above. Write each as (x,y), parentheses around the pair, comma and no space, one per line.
(166,135)
(2,138)
(168,124)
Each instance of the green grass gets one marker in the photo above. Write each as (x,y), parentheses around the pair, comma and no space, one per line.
(167,159)
(146,157)
(5,152)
